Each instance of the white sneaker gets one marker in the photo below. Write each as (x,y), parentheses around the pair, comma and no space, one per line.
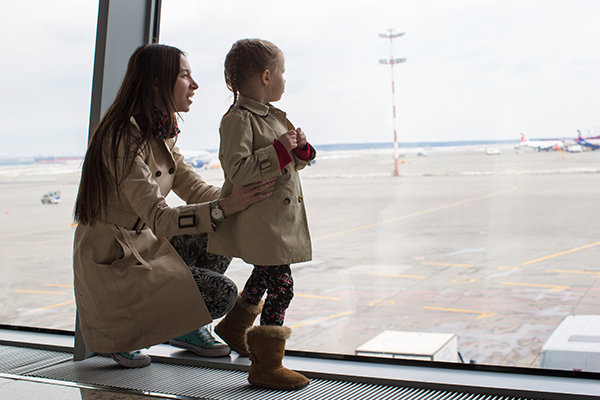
(131,359)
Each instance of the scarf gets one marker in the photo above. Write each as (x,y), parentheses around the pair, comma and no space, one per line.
(159,127)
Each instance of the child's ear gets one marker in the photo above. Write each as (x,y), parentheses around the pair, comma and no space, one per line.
(265,77)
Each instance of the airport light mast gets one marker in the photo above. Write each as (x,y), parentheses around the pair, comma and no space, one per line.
(391,35)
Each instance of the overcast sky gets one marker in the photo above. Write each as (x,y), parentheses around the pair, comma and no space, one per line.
(475,69)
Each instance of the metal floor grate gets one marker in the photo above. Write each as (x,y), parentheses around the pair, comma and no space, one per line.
(22,361)
(201,382)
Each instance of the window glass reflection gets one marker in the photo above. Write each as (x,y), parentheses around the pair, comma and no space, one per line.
(486,241)
(45,86)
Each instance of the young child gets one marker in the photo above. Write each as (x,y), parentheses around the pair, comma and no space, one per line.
(258,142)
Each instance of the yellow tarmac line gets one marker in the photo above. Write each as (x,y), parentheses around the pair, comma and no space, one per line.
(322,319)
(562,271)
(401,276)
(587,246)
(57,285)
(415,214)
(53,306)
(38,292)
(27,233)
(447,265)
(554,288)
(482,314)
(310,296)
(382,303)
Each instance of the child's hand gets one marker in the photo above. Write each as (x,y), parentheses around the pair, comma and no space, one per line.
(300,138)
(288,140)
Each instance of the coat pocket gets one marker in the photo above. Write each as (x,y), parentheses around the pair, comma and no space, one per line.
(143,247)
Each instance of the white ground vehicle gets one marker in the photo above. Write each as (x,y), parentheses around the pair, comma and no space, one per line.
(51,198)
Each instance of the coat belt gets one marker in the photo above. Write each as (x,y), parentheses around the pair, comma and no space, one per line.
(125,219)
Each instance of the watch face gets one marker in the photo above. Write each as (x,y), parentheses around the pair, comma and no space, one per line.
(216,212)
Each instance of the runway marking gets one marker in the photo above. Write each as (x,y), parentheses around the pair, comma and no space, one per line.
(401,276)
(574,272)
(463,280)
(447,264)
(53,306)
(322,319)
(482,314)
(316,297)
(415,214)
(57,285)
(11,235)
(587,246)
(508,268)
(554,288)
(38,291)
(382,303)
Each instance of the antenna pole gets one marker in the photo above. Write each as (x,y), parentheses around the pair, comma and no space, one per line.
(391,35)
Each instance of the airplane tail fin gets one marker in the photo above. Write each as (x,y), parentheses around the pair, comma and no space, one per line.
(523,139)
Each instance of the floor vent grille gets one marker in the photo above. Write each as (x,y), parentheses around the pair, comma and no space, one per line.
(183,381)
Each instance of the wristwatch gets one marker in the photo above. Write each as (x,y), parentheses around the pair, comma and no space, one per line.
(216,213)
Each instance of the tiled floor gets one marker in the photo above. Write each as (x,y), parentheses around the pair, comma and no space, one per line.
(19,389)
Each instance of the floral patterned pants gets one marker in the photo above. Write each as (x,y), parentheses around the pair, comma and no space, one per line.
(218,291)
(277,282)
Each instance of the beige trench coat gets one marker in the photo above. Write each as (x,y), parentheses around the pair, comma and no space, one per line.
(273,231)
(132,289)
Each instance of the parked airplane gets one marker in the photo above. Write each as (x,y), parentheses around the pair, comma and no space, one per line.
(592,143)
(542,144)
(201,158)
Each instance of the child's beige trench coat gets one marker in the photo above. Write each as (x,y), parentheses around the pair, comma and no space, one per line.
(273,231)
(132,289)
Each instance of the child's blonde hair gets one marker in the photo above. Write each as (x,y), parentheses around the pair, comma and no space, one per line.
(246,58)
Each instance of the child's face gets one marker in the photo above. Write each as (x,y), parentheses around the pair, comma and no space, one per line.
(277,84)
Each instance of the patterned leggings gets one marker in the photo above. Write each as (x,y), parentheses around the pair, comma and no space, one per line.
(218,291)
(277,281)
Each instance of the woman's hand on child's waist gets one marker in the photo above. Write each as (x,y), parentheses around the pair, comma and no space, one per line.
(242,196)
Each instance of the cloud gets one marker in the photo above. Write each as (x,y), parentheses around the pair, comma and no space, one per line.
(474,69)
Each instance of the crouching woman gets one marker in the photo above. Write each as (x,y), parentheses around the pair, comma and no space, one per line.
(141,271)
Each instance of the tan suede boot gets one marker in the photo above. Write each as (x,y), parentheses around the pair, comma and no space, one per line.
(267,346)
(232,328)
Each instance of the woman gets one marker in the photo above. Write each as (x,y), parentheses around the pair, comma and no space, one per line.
(132,288)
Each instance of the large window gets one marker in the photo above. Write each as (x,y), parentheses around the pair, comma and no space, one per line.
(478,250)
(45,86)
(481,236)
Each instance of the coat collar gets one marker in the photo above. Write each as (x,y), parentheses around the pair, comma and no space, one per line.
(256,107)
(166,143)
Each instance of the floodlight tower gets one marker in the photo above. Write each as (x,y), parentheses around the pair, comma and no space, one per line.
(391,35)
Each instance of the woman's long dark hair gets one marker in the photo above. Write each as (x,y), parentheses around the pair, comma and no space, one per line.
(151,69)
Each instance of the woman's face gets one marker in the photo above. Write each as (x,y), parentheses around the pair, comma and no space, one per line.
(184,88)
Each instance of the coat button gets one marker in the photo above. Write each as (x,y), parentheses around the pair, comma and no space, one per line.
(284,171)
(171,170)
(286,201)
(299,199)
(158,173)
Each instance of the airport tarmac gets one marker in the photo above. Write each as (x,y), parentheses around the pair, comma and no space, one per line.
(497,249)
